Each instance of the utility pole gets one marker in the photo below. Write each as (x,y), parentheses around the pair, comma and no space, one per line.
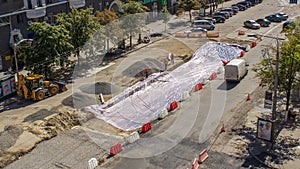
(274,104)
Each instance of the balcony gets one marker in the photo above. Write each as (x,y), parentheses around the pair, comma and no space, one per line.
(36,12)
(77,3)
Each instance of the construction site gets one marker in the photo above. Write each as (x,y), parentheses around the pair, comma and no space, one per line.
(160,105)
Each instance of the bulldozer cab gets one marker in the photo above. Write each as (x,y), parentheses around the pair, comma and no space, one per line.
(35,81)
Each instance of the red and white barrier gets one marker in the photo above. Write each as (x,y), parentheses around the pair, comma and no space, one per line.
(242,53)
(198,86)
(115,149)
(213,76)
(195,164)
(253,44)
(146,127)
(203,156)
(173,106)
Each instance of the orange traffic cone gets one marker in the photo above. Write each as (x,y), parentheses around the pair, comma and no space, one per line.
(223,128)
(248,97)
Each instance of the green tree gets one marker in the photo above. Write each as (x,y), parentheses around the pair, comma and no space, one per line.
(189,5)
(82,25)
(134,18)
(289,64)
(112,29)
(166,16)
(49,42)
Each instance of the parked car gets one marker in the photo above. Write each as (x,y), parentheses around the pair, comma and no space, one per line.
(274,18)
(244,3)
(263,22)
(240,6)
(235,10)
(251,24)
(254,2)
(287,24)
(203,24)
(283,15)
(200,30)
(219,18)
(224,14)
(210,20)
(229,10)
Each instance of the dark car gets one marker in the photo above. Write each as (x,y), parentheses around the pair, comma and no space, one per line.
(229,10)
(212,20)
(254,2)
(274,18)
(235,10)
(240,6)
(226,15)
(245,3)
(263,22)
(156,35)
(287,24)
(251,24)
(219,19)
(283,15)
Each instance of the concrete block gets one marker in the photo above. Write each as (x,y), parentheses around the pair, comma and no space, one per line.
(163,114)
(133,137)
(93,163)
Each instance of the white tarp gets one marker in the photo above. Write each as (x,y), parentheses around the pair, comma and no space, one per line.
(143,101)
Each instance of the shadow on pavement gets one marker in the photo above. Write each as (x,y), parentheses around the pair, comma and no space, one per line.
(227,86)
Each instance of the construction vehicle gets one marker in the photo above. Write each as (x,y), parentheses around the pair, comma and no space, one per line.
(35,87)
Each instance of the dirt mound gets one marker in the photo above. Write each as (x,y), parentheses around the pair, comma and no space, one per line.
(137,69)
(99,87)
(79,100)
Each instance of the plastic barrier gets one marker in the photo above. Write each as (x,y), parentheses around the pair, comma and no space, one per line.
(195,164)
(146,127)
(213,34)
(241,32)
(242,53)
(93,163)
(115,149)
(213,76)
(180,35)
(185,95)
(173,106)
(253,44)
(199,86)
(203,156)
(133,137)
(163,114)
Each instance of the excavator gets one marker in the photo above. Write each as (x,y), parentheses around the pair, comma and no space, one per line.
(35,87)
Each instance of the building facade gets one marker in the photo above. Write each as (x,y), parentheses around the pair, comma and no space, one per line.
(17,15)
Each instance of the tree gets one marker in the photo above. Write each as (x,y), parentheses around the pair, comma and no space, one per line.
(189,5)
(289,64)
(49,44)
(134,18)
(165,17)
(112,29)
(82,24)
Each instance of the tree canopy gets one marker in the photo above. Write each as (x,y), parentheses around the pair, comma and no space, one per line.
(289,63)
(189,5)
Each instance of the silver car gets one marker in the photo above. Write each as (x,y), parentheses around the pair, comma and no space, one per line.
(251,24)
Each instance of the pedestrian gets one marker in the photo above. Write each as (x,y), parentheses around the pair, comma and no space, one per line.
(172,58)
(291,114)
(146,72)
(166,64)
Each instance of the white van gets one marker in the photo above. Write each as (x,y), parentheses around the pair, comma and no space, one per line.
(235,70)
(205,24)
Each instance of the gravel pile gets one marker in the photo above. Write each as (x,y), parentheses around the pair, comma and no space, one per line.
(39,115)
(79,100)
(137,69)
(9,137)
(99,87)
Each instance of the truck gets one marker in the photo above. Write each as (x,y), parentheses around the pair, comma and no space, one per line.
(235,70)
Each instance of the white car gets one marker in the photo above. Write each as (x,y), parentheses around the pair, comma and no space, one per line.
(201,30)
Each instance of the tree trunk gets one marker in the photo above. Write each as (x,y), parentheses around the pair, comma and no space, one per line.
(140,38)
(190,15)
(288,95)
(107,44)
(130,40)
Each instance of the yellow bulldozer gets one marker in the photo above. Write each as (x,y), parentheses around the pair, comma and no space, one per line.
(35,87)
